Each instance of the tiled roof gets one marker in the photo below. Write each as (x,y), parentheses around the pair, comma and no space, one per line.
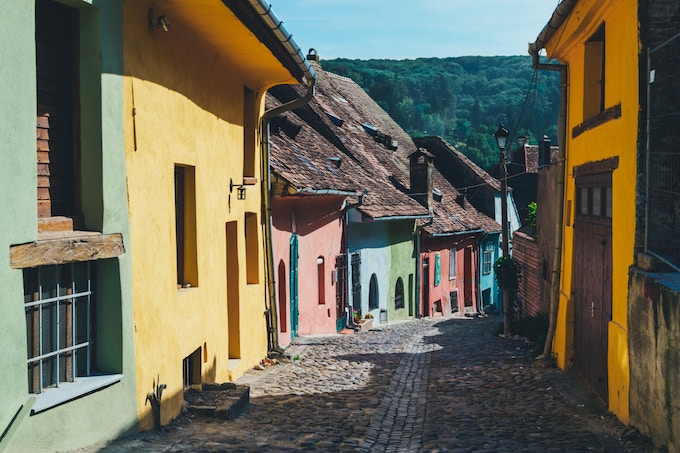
(348,142)
(461,161)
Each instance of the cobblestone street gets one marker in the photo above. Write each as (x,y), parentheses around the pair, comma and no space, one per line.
(423,385)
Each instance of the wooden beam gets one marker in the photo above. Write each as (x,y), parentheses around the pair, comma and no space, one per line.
(75,247)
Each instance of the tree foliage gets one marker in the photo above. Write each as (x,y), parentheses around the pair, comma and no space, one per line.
(462,99)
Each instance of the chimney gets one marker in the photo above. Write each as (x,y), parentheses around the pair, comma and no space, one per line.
(312,55)
(421,169)
(544,152)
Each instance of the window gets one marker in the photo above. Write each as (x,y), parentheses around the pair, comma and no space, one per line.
(59,305)
(663,154)
(57,37)
(252,249)
(320,278)
(452,264)
(487,258)
(593,78)
(185,226)
(594,197)
(249,131)
(453,296)
(437,268)
(399,294)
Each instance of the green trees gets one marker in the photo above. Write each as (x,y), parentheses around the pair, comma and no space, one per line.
(462,99)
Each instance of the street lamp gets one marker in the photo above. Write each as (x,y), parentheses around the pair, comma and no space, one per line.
(501,136)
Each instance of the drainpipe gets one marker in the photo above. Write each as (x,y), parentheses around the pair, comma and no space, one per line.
(270,310)
(309,77)
(348,257)
(558,19)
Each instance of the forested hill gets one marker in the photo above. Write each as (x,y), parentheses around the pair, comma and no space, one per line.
(462,99)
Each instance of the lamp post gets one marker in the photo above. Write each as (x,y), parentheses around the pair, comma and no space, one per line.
(501,136)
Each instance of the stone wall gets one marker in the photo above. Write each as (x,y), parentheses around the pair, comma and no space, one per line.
(654,355)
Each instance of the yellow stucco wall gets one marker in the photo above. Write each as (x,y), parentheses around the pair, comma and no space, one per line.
(184,104)
(617,137)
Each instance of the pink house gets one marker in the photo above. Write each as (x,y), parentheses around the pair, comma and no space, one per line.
(308,242)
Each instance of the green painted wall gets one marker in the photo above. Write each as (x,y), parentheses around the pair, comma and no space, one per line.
(402,264)
(18,178)
(110,412)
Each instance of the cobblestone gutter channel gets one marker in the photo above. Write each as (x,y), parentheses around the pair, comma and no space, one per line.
(397,426)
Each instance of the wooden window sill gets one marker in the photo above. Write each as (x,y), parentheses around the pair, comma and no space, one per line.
(61,247)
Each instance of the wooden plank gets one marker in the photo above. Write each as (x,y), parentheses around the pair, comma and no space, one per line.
(77,246)
(43,157)
(44,208)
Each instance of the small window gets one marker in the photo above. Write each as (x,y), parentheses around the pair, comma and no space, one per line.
(320,278)
(399,294)
(487,258)
(252,249)
(437,268)
(593,79)
(452,264)
(185,226)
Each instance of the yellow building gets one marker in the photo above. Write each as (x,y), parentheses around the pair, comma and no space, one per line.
(196,73)
(597,42)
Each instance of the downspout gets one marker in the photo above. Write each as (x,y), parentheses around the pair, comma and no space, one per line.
(558,19)
(309,77)
(419,268)
(348,258)
(270,310)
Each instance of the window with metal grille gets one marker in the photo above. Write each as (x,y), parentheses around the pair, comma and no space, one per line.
(487,258)
(452,264)
(59,302)
(663,153)
(399,294)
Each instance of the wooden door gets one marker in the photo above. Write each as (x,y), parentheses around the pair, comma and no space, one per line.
(592,279)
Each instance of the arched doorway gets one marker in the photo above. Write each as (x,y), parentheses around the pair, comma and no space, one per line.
(373,301)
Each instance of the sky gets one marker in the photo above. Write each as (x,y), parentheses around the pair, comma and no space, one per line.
(406,29)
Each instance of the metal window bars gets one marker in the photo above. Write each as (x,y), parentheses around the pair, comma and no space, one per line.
(662,229)
(58,304)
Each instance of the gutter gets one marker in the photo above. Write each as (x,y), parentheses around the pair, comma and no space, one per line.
(276,27)
(404,217)
(309,78)
(557,20)
(457,233)
(310,191)
(270,306)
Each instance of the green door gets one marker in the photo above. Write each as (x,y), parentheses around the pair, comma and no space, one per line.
(293,286)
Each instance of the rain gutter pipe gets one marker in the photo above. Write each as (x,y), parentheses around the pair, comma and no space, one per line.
(455,233)
(348,264)
(557,20)
(309,78)
(309,191)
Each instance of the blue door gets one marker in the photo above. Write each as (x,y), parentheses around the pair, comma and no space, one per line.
(294,286)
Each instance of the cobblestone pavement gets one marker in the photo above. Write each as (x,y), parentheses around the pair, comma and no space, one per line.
(424,385)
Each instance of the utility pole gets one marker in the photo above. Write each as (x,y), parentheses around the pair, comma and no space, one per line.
(501,138)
